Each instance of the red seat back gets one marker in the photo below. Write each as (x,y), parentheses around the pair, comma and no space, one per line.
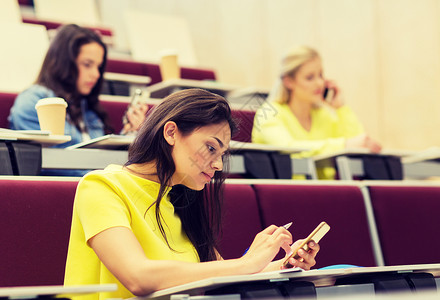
(35,229)
(241,220)
(408,223)
(6,102)
(54,25)
(245,122)
(116,111)
(153,71)
(342,207)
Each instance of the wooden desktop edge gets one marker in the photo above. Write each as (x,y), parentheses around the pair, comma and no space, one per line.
(190,83)
(117,140)
(432,153)
(129,78)
(318,277)
(248,91)
(109,140)
(41,139)
(236,145)
(362,151)
(26,292)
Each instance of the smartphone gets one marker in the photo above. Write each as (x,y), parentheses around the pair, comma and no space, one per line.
(139,97)
(315,236)
(328,94)
(324,95)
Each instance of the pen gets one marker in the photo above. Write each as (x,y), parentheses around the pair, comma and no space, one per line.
(286,226)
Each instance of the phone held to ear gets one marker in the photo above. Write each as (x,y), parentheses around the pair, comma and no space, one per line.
(328,94)
(316,235)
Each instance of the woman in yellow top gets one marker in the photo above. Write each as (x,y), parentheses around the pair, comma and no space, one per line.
(297,115)
(151,224)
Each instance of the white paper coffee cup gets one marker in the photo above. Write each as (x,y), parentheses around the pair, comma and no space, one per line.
(169,67)
(52,114)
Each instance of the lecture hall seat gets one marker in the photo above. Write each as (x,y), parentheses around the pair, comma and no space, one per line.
(408,223)
(36,219)
(341,206)
(241,221)
(52,25)
(114,109)
(245,121)
(35,227)
(6,102)
(152,70)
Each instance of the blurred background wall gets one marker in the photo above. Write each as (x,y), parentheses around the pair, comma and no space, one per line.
(384,54)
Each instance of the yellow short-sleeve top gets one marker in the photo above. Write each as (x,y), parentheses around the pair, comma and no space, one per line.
(114,197)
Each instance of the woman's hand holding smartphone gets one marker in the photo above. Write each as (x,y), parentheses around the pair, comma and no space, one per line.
(316,235)
(331,94)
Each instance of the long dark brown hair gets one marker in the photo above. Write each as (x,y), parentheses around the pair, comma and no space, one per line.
(199,211)
(59,71)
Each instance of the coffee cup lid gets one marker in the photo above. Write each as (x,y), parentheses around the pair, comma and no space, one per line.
(168,52)
(49,101)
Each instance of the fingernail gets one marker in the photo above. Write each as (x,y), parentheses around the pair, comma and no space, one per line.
(312,244)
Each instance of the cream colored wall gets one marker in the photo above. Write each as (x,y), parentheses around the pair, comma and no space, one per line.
(383,53)
(408,47)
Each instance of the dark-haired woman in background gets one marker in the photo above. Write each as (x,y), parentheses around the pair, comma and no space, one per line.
(72,69)
(152,224)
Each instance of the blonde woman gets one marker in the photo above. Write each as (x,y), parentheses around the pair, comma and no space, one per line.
(297,115)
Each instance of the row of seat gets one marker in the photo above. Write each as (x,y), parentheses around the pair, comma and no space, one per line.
(133,67)
(46,14)
(51,25)
(116,109)
(371,223)
(19,70)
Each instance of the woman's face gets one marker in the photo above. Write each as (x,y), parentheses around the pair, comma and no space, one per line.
(199,155)
(88,62)
(308,82)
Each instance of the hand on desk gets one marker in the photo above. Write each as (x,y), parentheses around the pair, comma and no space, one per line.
(135,117)
(363,141)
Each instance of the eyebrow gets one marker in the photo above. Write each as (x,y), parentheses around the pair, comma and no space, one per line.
(89,60)
(219,141)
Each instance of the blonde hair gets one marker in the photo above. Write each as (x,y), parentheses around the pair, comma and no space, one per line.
(290,64)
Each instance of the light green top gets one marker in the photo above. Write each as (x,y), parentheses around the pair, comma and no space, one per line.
(275,124)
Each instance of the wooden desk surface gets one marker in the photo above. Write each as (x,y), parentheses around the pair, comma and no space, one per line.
(362,151)
(248,91)
(235,145)
(35,291)
(164,88)
(37,136)
(318,277)
(432,153)
(111,141)
(129,78)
